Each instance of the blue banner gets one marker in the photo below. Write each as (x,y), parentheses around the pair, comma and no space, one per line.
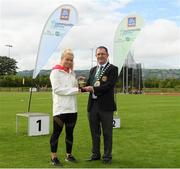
(57,26)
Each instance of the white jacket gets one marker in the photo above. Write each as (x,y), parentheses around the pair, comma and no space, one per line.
(64,90)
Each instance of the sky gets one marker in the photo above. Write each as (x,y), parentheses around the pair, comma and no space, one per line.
(157,45)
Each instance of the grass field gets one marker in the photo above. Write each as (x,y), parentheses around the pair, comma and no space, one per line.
(149,136)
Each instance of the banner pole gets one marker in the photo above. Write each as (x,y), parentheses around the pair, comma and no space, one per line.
(29,105)
(34,84)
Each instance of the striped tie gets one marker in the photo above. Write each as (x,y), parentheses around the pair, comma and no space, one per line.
(96,77)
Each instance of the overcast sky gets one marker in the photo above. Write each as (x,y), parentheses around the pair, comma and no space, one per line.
(157,46)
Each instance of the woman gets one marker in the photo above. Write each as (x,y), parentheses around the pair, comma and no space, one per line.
(64,91)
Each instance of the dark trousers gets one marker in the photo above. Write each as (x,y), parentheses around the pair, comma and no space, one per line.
(58,122)
(98,119)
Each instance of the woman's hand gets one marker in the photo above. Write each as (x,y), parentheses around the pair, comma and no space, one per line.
(88,89)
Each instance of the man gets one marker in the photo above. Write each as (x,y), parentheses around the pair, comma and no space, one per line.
(101,104)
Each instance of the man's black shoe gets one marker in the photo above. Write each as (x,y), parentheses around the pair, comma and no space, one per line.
(107,161)
(56,162)
(94,158)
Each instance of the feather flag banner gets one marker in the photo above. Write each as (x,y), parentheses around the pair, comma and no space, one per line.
(125,35)
(57,26)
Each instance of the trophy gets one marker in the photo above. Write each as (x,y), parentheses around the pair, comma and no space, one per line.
(81,82)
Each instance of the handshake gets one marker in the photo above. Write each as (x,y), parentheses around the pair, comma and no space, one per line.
(83,88)
(87,89)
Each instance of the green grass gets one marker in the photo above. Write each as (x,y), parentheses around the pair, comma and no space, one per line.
(149,136)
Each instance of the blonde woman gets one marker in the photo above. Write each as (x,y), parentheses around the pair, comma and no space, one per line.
(64,91)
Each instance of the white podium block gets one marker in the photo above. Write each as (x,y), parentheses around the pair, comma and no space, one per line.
(116,123)
(38,123)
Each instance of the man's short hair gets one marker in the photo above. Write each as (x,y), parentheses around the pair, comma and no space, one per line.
(102,47)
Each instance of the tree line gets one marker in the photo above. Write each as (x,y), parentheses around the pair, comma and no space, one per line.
(162,83)
(18,81)
(8,78)
(44,81)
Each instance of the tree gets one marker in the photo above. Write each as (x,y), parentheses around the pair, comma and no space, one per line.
(7,66)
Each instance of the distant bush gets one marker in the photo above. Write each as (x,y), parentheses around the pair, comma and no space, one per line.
(17,81)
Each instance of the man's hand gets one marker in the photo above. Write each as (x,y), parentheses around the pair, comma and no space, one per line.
(88,89)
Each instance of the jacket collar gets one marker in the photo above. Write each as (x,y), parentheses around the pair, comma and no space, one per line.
(59,67)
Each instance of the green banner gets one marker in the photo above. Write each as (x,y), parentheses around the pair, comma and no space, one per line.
(125,35)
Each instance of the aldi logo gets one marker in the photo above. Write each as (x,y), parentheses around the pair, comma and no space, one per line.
(131,21)
(65,14)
